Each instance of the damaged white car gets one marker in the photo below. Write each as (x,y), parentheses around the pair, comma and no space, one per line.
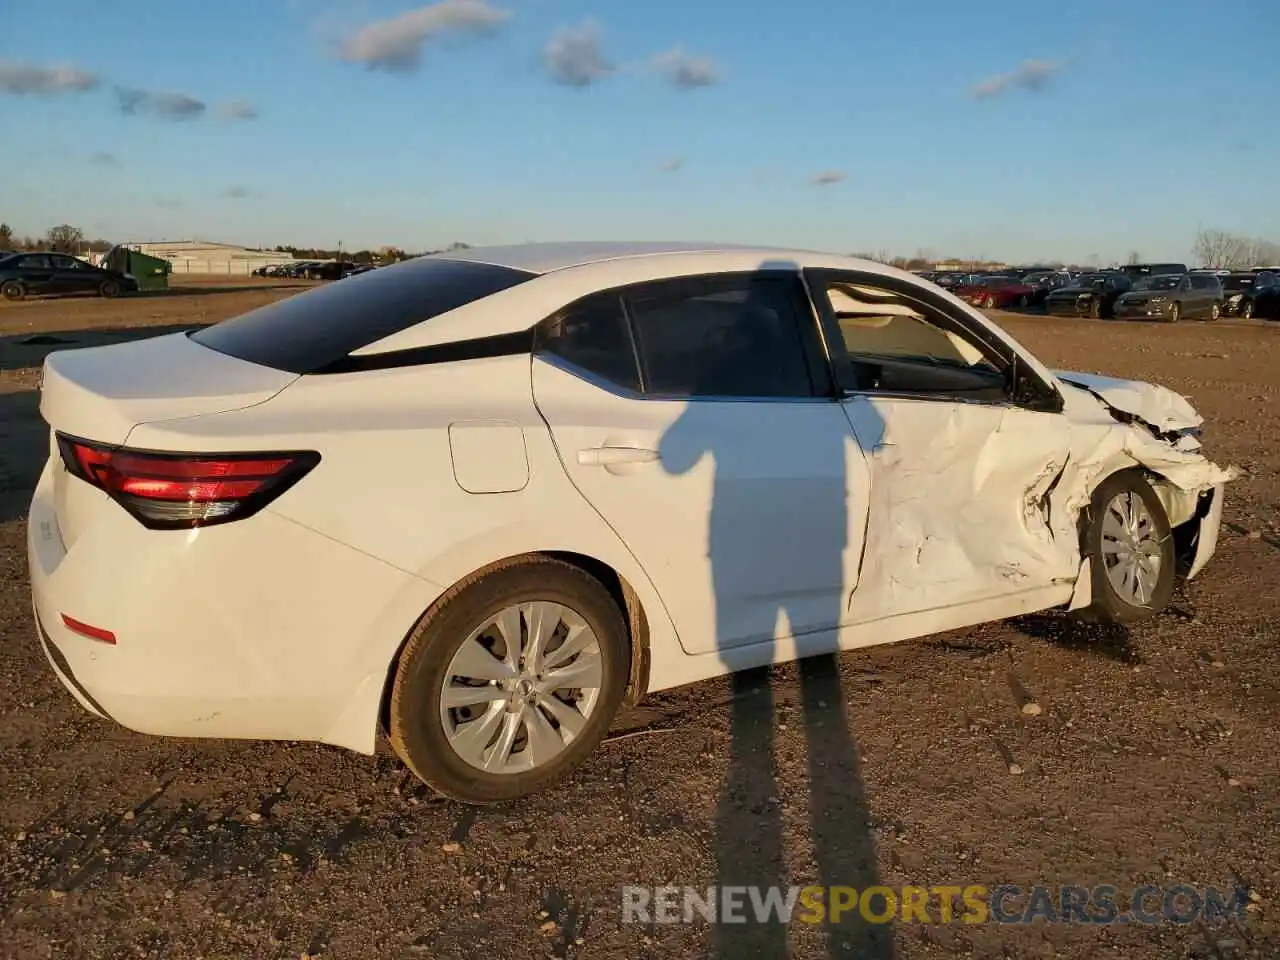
(488,498)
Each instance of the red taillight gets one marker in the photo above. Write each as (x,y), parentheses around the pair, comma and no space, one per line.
(173,490)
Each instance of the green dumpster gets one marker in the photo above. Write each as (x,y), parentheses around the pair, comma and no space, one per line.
(152,273)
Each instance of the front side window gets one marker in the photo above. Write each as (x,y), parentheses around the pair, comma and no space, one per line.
(68,263)
(722,337)
(893,342)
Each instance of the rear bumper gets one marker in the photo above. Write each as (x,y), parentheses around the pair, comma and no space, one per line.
(265,631)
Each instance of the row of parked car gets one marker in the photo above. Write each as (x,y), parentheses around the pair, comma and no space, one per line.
(314,269)
(1158,291)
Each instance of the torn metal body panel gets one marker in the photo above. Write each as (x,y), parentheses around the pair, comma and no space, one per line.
(972,502)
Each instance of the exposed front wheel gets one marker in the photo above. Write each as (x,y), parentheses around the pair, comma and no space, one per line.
(1246,310)
(510,682)
(989,302)
(12,290)
(1215,311)
(1175,312)
(1127,538)
(109,289)
(1095,309)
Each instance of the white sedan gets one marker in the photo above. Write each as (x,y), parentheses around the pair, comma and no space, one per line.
(486,499)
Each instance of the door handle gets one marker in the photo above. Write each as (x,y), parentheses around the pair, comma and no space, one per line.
(604,456)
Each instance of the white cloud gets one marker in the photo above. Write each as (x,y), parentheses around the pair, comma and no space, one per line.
(672,164)
(686,71)
(574,56)
(237,110)
(102,159)
(1032,75)
(825,178)
(166,106)
(22,78)
(395,44)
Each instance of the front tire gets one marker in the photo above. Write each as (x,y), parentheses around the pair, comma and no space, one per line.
(12,291)
(1126,536)
(1246,310)
(1215,311)
(109,289)
(989,302)
(510,681)
(1175,312)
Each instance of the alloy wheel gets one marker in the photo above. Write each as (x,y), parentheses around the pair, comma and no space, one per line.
(521,687)
(1131,549)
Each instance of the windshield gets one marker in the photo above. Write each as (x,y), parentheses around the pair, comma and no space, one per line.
(1091,280)
(1171,282)
(1237,283)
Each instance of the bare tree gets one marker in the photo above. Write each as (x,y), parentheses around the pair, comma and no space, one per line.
(1222,250)
(6,237)
(65,238)
(1262,253)
(1134,257)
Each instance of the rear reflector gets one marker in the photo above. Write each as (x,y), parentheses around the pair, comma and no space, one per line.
(93,633)
(182,490)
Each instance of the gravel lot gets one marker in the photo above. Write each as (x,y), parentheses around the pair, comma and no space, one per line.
(1154,758)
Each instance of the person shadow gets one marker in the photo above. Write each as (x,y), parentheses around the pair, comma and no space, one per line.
(750,839)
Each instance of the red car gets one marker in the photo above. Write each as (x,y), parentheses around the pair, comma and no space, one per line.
(996,293)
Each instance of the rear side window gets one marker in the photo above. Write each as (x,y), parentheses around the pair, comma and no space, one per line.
(712,337)
(592,335)
(306,333)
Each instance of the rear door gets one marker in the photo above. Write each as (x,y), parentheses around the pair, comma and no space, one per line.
(697,418)
(37,273)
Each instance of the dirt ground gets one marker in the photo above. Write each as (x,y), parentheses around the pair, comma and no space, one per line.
(1155,757)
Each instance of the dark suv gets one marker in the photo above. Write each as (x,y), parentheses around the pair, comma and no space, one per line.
(1252,294)
(33,274)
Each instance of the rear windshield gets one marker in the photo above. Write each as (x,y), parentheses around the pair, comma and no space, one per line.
(306,333)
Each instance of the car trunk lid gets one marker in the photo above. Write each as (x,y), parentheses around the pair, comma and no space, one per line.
(101,394)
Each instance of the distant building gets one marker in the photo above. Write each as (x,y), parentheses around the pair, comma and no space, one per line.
(209,256)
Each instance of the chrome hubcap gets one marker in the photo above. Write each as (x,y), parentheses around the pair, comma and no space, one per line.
(521,687)
(1131,549)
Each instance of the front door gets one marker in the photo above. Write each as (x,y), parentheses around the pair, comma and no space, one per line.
(73,276)
(961,475)
(696,417)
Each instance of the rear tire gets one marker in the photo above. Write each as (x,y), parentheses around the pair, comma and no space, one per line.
(1125,530)
(458,750)
(13,291)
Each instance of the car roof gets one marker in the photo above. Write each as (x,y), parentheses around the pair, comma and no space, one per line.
(549,257)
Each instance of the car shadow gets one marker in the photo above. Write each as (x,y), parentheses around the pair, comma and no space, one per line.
(201,290)
(19,351)
(24,445)
(744,548)
(1063,630)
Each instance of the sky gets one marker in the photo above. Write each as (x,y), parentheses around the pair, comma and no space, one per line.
(1017,131)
